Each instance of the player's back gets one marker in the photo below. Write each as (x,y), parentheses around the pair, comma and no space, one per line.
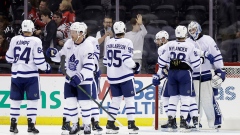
(183,51)
(96,50)
(118,59)
(26,55)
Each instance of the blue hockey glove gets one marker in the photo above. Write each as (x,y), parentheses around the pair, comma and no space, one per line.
(209,57)
(221,73)
(49,69)
(137,68)
(75,80)
(156,80)
(51,52)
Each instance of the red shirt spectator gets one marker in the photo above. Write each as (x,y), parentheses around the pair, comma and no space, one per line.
(68,15)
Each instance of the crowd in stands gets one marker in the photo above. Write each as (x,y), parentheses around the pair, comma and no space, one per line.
(143,19)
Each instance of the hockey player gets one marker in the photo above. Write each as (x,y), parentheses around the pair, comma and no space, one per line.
(181,56)
(161,39)
(79,55)
(26,55)
(120,73)
(208,101)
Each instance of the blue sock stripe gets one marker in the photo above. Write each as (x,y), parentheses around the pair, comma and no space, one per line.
(83,110)
(14,114)
(172,110)
(113,108)
(15,108)
(66,114)
(31,108)
(31,114)
(73,114)
(130,108)
(171,105)
(94,108)
(193,110)
(130,113)
(165,106)
(70,109)
(95,113)
(112,113)
(193,104)
(184,110)
(186,105)
(85,115)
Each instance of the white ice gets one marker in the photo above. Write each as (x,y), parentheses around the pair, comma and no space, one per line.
(56,130)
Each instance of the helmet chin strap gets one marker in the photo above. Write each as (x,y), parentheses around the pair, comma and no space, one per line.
(79,37)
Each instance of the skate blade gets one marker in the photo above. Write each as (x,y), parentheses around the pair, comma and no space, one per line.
(171,130)
(184,130)
(65,132)
(78,133)
(31,133)
(97,132)
(110,131)
(131,131)
(12,133)
(164,129)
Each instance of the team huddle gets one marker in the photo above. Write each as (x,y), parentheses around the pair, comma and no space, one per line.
(193,69)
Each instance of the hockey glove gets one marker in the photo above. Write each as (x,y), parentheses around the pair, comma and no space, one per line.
(221,73)
(137,68)
(51,52)
(49,69)
(76,80)
(209,57)
(97,74)
(156,80)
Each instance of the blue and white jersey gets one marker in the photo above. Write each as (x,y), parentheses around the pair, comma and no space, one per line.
(160,51)
(96,51)
(118,60)
(183,51)
(26,56)
(79,60)
(206,43)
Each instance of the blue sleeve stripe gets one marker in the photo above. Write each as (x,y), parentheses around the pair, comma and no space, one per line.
(217,56)
(88,68)
(126,55)
(96,56)
(217,60)
(161,65)
(126,58)
(87,64)
(120,78)
(163,60)
(196,66)
(40,63)
(104,58)
(9,57)
(38,58)
(96,53)
(195,61)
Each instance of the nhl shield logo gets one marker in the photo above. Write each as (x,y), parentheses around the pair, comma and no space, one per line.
(72,63)
(35,95)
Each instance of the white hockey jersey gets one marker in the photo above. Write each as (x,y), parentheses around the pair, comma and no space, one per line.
(63,32)
(96,51)
(79,59)
(118,60)
(183,51)
(160,51)
(206,43)
(26,56)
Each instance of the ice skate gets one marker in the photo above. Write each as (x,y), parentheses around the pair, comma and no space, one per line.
(13,127)
(31,128)
(87,129)
(172,125)
(132,128)
(183,125)
(111,128)
(66,128)
(96,127)
(75,130)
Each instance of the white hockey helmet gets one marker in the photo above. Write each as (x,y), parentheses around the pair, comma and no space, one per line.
(162,34)
(119,27)
(85,25)
(197,29)
(27,26)
(181,31)
(79,27)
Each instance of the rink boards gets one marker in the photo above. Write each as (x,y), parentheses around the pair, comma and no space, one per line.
(51,105)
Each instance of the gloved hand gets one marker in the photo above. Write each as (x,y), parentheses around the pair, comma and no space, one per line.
(137,68)
(156,80)
(209,57)
(75,80)
(51,52)
(97,74)
(49,69)
(221,73)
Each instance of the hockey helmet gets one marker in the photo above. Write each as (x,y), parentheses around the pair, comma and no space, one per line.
(194,29)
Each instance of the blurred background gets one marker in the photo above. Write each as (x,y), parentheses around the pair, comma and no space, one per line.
(218,18)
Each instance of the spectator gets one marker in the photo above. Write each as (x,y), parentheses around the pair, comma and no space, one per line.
(50,30)
(4,7)
(62,31)
(3,47)
(137,37)
(53,5)
(77,7)
(68,14)
(6,28)
(103,36)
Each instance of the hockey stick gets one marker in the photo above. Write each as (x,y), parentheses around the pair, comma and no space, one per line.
(147,86)
(105,96)
(79,87)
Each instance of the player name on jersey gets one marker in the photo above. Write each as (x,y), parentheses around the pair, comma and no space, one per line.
(119,46)
(22,42)
(182,49)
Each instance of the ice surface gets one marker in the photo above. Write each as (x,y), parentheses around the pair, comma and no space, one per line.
(56,130)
